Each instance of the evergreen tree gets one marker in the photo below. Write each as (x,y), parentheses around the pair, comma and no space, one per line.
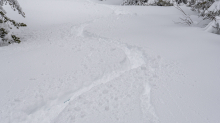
(6,23)
(134,2)
(148,2)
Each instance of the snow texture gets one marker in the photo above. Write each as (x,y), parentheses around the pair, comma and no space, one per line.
(215,6)
(88,62)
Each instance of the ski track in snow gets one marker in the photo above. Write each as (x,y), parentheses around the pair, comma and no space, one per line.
(134,60)
(134,55)
(136,66)
(73,71)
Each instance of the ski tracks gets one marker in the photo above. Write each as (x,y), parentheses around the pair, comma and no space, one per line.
(115,83)
(134,63)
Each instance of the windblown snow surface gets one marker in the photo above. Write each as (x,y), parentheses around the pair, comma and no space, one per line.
(90,61)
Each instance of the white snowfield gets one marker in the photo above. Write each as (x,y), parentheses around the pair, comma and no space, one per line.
(91,61)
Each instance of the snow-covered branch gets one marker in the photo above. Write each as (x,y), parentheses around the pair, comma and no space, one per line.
(6,23)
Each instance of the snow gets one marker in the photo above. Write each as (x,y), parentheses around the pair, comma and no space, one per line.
(94,61)
(215,6)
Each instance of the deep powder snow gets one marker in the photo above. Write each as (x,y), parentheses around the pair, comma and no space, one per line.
(85,62)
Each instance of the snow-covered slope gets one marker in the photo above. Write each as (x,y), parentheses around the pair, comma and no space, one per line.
(109,2)
(85,62)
